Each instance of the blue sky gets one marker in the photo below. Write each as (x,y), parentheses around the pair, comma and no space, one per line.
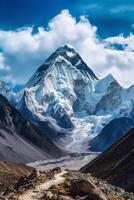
(32,29)
(111,16)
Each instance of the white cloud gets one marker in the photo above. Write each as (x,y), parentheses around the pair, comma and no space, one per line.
(25,51)
(126,42)
(3,65)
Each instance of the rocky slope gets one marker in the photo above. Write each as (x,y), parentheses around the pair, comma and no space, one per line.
(116,165)
(67,185)
(10,174)
(20,140)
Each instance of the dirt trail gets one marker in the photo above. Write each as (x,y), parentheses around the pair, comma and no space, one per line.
(38,191)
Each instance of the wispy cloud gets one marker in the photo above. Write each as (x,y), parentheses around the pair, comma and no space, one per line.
(122,8)
(88,7)
(91,6)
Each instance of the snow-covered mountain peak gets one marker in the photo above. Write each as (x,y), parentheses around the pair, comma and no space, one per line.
(75,59)
(67,91)
(65,51)
(104,84)
(63,59)
(110,78)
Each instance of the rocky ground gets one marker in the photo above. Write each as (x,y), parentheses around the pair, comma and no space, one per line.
(11,174)
(64,185)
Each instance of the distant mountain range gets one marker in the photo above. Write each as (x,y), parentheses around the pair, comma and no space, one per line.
(73,106)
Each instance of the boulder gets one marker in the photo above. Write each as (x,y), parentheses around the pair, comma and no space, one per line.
(82,186)
(56,170)
(34,174)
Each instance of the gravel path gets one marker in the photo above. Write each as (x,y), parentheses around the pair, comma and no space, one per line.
(38,191)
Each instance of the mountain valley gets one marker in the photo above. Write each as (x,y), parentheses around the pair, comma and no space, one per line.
(72,131)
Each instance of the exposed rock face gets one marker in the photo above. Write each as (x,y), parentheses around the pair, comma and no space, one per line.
(20,140)
(116,165)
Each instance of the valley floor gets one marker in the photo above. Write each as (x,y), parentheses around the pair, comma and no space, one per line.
(74,162)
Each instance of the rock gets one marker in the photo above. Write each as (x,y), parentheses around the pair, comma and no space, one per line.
(26,180)
(82,186)
(34,174)
(55,197)
(67,184)
(56,170)
(80,198)
(61,197)
(21,182)
(93,196)
(62,192)
(48,196)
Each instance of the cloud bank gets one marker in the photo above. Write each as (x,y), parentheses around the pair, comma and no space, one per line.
(23,50)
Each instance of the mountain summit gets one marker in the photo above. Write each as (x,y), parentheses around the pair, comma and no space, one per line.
(60,87)
(62,56)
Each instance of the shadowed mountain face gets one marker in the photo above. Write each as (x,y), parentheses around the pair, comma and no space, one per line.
(116,165)
(20,140)
(111,133)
